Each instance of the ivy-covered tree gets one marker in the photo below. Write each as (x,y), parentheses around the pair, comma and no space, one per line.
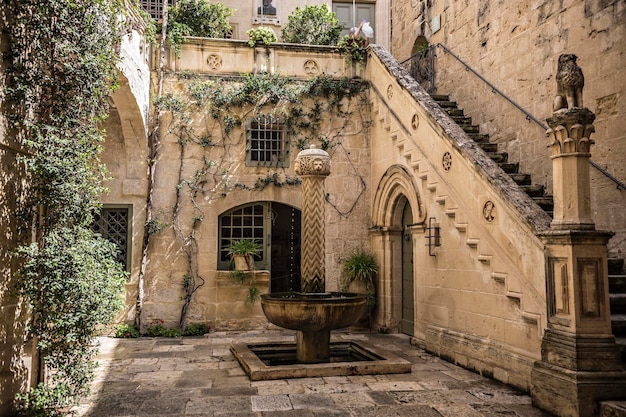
(312,25)
(60,70)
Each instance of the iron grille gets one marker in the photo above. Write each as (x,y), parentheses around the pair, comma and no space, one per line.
(267,145)
(155,7)
(112,224)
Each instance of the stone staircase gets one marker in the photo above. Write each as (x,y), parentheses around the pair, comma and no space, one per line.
(536,191)
(617,294)
(617,274)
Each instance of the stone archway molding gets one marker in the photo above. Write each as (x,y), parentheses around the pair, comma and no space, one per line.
(396,183)
(395,188)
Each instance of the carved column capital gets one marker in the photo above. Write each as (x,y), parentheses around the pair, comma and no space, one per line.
(313,161)
(570,132)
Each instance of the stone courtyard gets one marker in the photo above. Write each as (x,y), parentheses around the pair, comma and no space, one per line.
(199,376)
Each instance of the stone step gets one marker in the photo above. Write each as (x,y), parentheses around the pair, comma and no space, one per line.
(479,137)
(447,104)
(545,202)
(612,409)
(616,266)
(498,157)
(618,325)
(454,112)
(462,120)
(617,283)
(534,190)
(470,128)
(440,97)
(489,147)
(521,179)
(618,303)
(510,167)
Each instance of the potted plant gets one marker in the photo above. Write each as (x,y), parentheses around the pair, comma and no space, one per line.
(360,267)
(242,252)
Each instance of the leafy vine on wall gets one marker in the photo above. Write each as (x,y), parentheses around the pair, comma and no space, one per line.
(60,70)
(208,119)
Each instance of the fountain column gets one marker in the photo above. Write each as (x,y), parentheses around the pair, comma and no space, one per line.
(313,166)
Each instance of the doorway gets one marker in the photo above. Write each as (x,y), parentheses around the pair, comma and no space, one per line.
(285,248)
(408,302)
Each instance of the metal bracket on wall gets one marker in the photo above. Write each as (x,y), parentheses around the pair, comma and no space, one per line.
(434,235)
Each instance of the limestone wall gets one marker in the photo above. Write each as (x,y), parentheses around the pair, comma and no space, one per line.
(227,183)
(480,297)
(515,45)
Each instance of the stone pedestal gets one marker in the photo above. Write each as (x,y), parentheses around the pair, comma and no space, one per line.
(580,363)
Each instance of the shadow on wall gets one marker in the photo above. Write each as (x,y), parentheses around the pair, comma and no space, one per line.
(13,183)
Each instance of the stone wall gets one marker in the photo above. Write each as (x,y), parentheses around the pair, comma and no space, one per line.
(479,297)
(516,47)
(219,302)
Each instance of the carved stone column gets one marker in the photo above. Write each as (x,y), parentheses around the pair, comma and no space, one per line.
(570,139)
(313,165)
(580,363)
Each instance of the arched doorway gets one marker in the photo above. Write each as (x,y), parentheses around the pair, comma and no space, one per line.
(397,214)
(408,303)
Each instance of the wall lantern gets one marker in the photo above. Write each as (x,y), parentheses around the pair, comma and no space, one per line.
(434,235)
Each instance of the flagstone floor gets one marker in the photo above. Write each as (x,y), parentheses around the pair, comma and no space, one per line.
(198,376)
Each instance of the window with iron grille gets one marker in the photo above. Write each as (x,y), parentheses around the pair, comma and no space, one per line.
(267,143)
(244,222)
(155,7)
(113,223)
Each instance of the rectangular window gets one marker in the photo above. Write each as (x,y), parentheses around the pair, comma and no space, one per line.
(155,7)
(267,145)
(114,224)
(247,222)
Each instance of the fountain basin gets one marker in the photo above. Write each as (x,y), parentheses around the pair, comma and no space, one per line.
(313,316)
(311,312)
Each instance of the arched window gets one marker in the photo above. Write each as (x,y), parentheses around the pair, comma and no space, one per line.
(274,225)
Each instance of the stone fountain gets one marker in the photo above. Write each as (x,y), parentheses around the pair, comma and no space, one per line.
(313,313)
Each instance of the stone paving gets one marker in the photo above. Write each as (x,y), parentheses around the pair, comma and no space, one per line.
(198,376)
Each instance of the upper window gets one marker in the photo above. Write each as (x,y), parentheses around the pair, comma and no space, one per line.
(113,223)
(267,144)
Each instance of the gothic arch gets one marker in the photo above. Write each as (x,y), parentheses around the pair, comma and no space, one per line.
(396,185)
(396,189)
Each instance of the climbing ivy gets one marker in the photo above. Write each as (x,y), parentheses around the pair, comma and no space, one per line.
(208,119)
(60,70)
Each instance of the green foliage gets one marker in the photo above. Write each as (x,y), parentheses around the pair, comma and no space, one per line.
(354,50)
(61,66)
(197,18)
(196,329)
(312,25)
(254,294)
(157,329)
(73,285)
(360,266)
(243,247)
(126,331)
(261,36)
(238,276)
(150,26)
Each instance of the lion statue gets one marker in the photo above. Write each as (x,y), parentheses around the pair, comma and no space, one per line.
(569,83)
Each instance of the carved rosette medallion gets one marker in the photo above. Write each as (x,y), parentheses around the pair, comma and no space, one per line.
(489,211)
(570,132)
(415,121)
(310,67)
(214,62)
(446,161)
(390,92)
(313,165)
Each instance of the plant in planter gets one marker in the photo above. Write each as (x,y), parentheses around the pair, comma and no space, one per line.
(242,252)
(361,267)
(354,50)
(261,36)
